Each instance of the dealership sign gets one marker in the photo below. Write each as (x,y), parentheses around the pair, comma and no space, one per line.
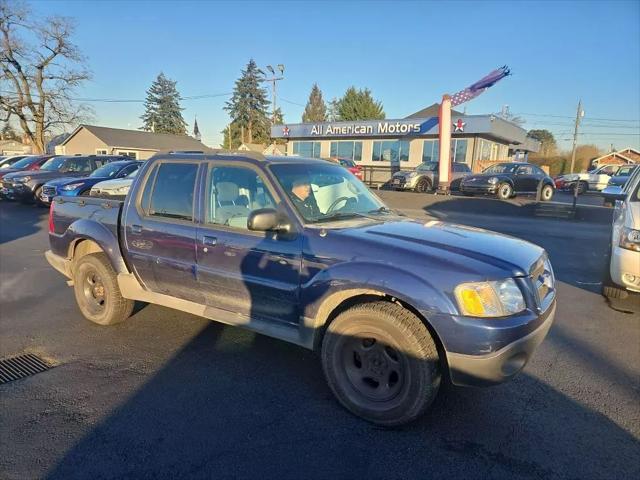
(369,128)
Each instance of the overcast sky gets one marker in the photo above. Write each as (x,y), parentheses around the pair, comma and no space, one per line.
(407,53)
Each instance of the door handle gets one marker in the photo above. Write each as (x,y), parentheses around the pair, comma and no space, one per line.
(211,241)
(136,229)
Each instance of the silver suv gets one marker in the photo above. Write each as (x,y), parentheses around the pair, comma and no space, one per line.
(425,177)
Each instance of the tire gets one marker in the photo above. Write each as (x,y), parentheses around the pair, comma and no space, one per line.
(423,185)
(612,291)
(504,192)
(33,199)
(381,363)
(97,293)
(546,193)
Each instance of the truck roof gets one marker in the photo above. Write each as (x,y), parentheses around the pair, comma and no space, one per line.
(227,155)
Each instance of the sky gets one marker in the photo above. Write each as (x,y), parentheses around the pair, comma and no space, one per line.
(407,53)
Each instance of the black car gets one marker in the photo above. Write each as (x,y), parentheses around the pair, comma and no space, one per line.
(27,186)
(506,180)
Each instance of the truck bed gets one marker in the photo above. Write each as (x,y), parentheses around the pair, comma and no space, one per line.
(100,213)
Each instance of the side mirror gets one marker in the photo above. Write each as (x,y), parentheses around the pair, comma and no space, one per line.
(267,220)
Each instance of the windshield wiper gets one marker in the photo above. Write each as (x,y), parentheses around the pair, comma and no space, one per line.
(342,216)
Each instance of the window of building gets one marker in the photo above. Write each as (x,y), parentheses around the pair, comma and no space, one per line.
(101,152)
(431,151)
(173,188)
(233,193)
(348,150)
(128,153)
(485,149)
(390,151)
(459,150)
(307,149)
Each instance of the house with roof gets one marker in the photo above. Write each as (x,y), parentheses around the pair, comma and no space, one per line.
(94,140)
(272,149)
(619,157)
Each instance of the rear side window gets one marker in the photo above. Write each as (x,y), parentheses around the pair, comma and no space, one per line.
(460,167)
(173,191)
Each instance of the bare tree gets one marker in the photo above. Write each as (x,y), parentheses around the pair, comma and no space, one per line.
(37,80)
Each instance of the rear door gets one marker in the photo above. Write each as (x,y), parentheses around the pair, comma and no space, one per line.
(160,230)
(250,273)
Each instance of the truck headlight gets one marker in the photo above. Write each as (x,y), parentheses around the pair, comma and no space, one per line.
(629,239)
(493,180)
(72,186)
(490,299)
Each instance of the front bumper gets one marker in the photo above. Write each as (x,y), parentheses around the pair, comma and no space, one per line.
(480,189)
(16,191)
(502,365)
(625,268)
(402,183)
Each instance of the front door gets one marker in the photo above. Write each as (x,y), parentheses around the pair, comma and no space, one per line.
(250,273)
(160,231)
(525,180)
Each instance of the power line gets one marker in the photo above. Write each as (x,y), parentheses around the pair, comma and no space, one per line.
(571,117)
(128,100)
(292,103)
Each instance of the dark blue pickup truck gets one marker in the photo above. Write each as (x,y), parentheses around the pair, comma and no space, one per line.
(300,250)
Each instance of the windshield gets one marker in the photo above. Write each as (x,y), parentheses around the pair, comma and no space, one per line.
(326,193)
(25,162)
(9,162)
(133,174)
(501,168)
(109,170)
(625,171)
(54,164)
(428,167)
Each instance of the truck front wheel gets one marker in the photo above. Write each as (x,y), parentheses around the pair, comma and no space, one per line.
(381,363)
(97,294)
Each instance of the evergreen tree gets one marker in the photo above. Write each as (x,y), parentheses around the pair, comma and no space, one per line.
(236,139)
(248,106)
(358,105)
(278,117)
(316,110)
(163,113)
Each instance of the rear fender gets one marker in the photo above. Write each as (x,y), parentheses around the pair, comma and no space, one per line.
(84,230)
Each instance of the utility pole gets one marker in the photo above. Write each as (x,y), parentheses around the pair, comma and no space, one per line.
(579,115)
(274,78)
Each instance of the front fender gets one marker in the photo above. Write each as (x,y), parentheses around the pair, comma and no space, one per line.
(335,284)
(85,229)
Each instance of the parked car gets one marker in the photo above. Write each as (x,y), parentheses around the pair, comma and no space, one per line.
(349,165)
(621,176)
(7,162)
(118,187)
(597,180)
(300,250)
(27,186)
(424,177)
(31,162)
(506,180)
(73,186)
(624,265)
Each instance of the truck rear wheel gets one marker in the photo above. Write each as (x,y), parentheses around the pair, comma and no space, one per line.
(96,289)
(381,363)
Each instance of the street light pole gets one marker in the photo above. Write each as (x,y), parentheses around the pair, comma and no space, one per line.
(579,115)
(274,78)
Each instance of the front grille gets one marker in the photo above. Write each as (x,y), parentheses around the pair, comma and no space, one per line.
(7,185)
(21,366)
(544,282)
(49,191)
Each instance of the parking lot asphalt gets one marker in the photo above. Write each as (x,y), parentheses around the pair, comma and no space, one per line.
(169,395)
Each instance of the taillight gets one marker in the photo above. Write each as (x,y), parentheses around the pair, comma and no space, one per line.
(51,224)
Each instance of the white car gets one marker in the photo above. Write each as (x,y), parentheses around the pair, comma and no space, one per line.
(595,180)
(625,241)
(118,187)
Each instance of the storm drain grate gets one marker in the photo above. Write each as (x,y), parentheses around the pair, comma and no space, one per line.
(21,366)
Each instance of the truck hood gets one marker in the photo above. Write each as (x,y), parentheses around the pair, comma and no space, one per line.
(478,252)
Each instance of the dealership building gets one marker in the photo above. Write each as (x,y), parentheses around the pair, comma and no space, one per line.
(476,140)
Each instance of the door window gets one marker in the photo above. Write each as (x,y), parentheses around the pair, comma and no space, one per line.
(525,170)
(173,191)
(233,193)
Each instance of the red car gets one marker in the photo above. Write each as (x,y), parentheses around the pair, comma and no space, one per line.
(559,182)
(349,165)
(31,162)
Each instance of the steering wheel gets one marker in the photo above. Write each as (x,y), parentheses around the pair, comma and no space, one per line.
(336,202)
